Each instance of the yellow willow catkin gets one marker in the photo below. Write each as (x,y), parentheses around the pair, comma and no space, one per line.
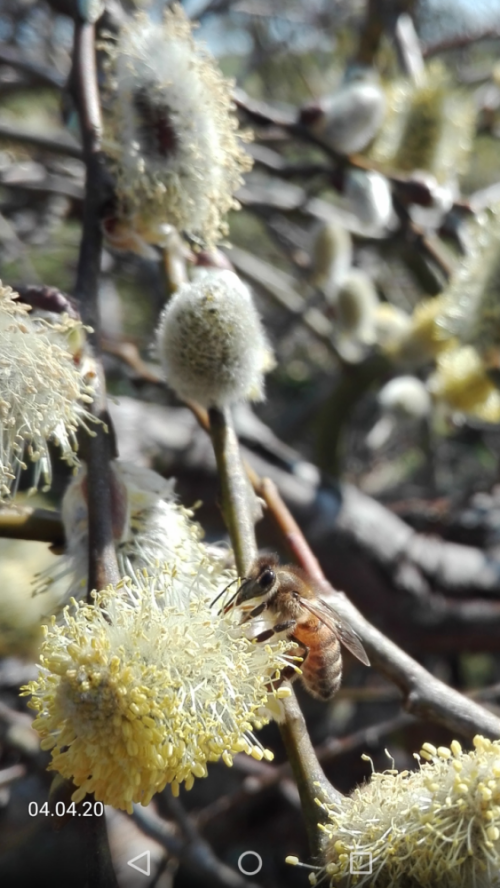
(147,686)
(437,826)
(43,390)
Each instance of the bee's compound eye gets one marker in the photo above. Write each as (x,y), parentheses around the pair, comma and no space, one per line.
(267,578)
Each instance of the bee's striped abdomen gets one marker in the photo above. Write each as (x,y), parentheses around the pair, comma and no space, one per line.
(322,668)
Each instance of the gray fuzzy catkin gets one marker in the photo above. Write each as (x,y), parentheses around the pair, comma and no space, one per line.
(211,342)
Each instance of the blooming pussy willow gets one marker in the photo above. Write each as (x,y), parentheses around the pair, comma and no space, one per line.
(149,528)
(429,126)
(473,296)
(424,337)
(170,130)
(43,390)
(211,342)
(149,684)
(438,826)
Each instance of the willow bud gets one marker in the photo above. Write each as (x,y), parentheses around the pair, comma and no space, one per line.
(356,306)
(402,399)
(331,257)
(211,342)
(348,120)
(368,196)
(406,397)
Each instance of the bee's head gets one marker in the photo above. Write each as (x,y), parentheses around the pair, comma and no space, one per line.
(260,583)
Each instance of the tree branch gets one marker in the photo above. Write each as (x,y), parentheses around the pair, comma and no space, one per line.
(39,73)
(103,567)
(236,505)
(27,523)
(238,500)
(59,143)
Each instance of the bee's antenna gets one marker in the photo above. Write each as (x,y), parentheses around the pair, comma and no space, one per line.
(228,606)
(243,579)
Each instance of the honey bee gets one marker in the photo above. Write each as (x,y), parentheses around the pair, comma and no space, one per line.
(289,595)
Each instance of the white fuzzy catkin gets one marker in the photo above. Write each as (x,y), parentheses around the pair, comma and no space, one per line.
(352,116)
(149,528)
(211,342)
(169,129)
(405,396)
(368,196)
(429,126)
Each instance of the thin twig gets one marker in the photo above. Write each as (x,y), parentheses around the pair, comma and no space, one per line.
(9,55)
(56,144)
(27,523)
(365,737)
(196,854)
(460,41)
(309,776)
(237,494)
(129,354)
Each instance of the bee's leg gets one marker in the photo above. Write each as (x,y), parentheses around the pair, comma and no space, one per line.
(279,627)
(289,673)
(303,648)
(256,612)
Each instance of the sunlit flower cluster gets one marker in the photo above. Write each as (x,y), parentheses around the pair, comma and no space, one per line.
(425,338)
(437,826)
(149,684)
(461,382)
(43,391)
(211,342)
(170,130)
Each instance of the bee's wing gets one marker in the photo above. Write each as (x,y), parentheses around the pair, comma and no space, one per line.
(329,616)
